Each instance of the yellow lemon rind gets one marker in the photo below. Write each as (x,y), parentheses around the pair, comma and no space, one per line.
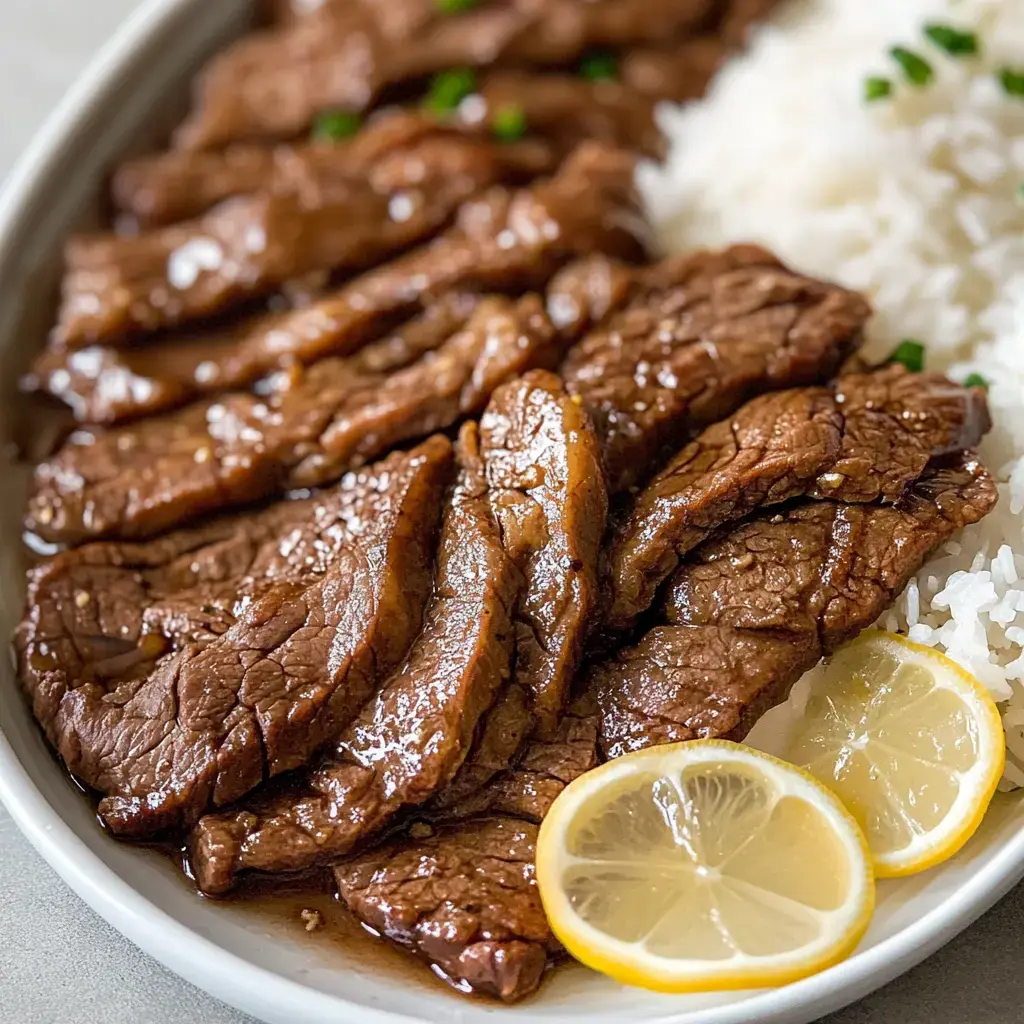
(591,948)
(892,865)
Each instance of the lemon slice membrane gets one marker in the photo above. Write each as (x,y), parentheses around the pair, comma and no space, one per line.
(703,865)
(911,743)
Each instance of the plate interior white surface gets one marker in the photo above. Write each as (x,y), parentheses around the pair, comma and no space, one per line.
(264,968)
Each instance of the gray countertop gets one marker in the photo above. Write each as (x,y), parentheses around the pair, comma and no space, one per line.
(61,963)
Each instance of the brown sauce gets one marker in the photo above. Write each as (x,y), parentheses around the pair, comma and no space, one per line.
(315,919)
(305,911)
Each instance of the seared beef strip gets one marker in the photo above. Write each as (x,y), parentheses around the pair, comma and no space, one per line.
(522,538)
(567,108)
(412,737)
(527,784)
(564,109)
(547,489)
(272,83)
(447,893)
(329,217)
(705,333)
(263,685)
(543,463)
(507,241)
(177,185)
(110,385)
(140,479)
(864,437)
(189,586)
(500,739)
(679,73)
(754,608)
(463,898)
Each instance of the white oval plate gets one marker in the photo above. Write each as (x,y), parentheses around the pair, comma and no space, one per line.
(132,92)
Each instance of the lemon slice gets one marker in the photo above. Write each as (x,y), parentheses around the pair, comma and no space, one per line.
(909,741)
(704,865)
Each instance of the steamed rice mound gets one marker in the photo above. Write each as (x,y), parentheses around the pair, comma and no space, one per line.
(917,201)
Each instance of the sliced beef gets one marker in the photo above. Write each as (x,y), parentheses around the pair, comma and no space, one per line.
(586,290)
(506,241)
(679,72)
(178,185)
(190,586)
(275,676)
(547,489)
(702,335)
(329,217)
(567,109)
(527,783)
(461,895)
(755,607)
(543,463)
(310,428)
(502,734)
(272,83)
(107,386)
(411,738)
(562,109)
(863,438)
(521,540)
(464,898)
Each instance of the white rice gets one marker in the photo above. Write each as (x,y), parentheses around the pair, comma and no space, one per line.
(914,200)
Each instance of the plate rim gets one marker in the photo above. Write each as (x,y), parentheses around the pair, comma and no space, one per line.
(241,983)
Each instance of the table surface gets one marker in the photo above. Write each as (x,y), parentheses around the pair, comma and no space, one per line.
(60,963)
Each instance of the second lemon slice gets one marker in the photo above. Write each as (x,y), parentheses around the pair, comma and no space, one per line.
(911,743)
(703,865)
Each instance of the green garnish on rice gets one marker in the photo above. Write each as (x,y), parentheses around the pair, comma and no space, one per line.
(910,353)
(1012,81)
(914,67)
(975,380)
(954,41)
(876,88)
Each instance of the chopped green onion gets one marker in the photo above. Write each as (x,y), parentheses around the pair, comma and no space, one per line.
(917,70)
(1012,81)
(600,66)
(876,88)
(455,6)
(910,353)
(509,122)
(335,125)
(449,88)
(955,42)
(975,380)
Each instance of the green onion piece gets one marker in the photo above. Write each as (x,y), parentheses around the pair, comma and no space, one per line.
(876,88)
(449,88)
(955,42)
(509,122)
(335,125)
(975,380)
(1012,81)
(455,6)
(916,69)
(600,66)
(910,353)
